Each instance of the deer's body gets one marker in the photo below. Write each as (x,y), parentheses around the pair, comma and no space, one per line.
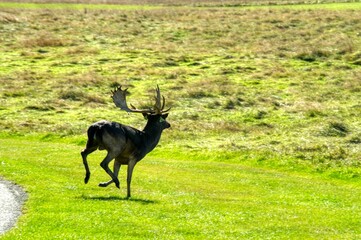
(125,144)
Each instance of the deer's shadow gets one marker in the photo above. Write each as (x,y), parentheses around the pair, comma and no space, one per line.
(118,198)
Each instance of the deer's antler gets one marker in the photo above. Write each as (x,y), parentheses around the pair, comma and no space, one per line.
(119,98)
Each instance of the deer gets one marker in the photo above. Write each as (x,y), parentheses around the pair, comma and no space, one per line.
(125,144)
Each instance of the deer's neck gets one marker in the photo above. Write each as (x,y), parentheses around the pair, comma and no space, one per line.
(151,136)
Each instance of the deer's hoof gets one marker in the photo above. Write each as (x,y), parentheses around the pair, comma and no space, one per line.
(87,176)
(103,184)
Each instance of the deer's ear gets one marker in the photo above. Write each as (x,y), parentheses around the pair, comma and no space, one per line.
(165,115)
(145,116)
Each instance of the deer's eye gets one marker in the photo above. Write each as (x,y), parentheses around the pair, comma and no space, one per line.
(161,119)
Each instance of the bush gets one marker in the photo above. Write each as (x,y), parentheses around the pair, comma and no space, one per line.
(335,129)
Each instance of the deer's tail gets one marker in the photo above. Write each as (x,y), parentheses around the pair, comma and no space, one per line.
(94,136)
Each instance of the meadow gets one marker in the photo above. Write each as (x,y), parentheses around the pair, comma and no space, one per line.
(266,133)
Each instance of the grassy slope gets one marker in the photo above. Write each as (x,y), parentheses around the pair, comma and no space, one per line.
(271,87)
(279,82)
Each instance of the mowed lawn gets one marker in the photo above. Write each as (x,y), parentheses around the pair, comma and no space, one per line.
(173,199)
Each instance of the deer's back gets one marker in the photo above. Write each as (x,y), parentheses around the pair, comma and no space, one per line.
(121,139)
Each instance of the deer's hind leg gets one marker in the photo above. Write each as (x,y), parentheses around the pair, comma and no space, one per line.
(91,146)
(116,168)
(88,150)
(105,165)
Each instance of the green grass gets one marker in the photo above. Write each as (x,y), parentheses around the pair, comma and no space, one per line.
(173,199)
(265,137)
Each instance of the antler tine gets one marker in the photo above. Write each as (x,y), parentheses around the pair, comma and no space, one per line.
(164,111)
(163,105)
(158,105)
(119,99)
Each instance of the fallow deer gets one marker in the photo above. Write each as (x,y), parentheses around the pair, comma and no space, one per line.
(125,144)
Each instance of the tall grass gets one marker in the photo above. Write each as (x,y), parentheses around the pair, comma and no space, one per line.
(266,80)
(190,2)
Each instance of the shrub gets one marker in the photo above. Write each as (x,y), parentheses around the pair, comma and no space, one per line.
(335,129)
(74,95)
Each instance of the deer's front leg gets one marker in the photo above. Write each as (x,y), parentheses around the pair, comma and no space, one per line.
(105,165)
(131,165)
(116,168)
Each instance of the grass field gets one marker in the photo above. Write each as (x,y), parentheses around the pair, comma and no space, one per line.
(174,199)
(266,134)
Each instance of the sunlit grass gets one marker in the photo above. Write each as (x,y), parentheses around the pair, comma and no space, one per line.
(172,199)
